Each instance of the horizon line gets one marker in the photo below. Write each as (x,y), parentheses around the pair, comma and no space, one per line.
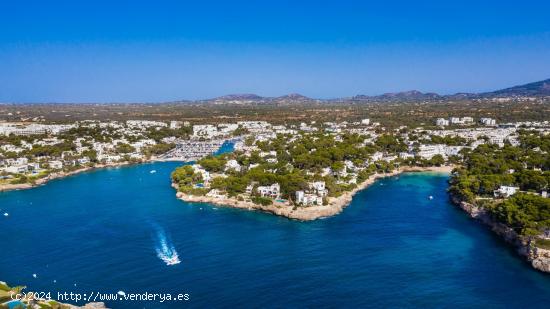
(269,97)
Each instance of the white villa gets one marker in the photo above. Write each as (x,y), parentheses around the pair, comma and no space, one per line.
(506,191)
(272,191)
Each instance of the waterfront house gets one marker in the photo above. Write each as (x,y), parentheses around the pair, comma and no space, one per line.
(55,165)
(319,188)
(271,191)
(16,169)
(307,199)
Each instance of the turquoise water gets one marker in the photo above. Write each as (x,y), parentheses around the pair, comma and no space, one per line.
(392,247)
(15,303)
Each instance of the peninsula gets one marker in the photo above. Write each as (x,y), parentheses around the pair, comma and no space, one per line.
(311,171)
(333,206)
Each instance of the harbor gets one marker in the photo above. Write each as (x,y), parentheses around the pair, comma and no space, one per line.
(192,150)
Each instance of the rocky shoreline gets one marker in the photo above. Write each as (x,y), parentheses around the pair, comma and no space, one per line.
(335,204)
(539,258)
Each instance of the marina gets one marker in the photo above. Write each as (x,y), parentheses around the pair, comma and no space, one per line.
(192,150)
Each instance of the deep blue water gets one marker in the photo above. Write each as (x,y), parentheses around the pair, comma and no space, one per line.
(392,247)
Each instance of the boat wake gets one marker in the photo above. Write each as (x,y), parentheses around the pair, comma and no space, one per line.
(165,249)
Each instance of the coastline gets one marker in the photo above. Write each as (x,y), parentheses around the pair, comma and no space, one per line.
(539,258)
(335,204)
(59,175)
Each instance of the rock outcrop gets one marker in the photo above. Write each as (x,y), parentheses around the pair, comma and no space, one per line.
(526,246)
(539,258)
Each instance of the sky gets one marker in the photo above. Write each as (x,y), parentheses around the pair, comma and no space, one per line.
(155,51)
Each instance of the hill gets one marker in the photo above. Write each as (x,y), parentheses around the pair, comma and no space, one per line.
(536,89)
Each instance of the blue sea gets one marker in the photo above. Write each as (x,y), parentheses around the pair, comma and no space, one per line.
(107,231)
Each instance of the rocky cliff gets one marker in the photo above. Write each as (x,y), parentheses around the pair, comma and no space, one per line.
(538,257)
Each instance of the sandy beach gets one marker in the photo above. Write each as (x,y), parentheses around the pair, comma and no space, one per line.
(335,204)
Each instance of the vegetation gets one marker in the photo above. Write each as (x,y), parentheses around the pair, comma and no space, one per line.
(294,162)
(527,214)
(526,166)
(124,148)
(262,200)
(5,291)
(212,163)
(389,114)
(543,243)
(159,149)
(185,175)
(7,294)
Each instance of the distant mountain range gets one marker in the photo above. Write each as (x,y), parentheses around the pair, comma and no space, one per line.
(412,95)
(541,88)
(245,98)
(536,89)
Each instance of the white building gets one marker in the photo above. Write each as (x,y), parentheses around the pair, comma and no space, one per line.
(488,121)
(428,151)
(204,173)
(254,126)
(455,120)
(16,169)
(377,156)
(463,120)
(319,188)
(233,165)
(453,150)
(271,191)
(21,161)
(227,128)
(442,122)
(467,120)
(272,160)
(145,123)
(175,124)
(506,191)
(205,130)
(307,199)
(83,160)
(55,165)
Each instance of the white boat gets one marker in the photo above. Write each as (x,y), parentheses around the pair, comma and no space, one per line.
(172,260)
(431,197)
(153,171)
(166,251)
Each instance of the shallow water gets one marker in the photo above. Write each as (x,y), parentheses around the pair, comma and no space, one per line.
(392,247)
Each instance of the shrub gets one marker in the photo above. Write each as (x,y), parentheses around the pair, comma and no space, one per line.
(262,200)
